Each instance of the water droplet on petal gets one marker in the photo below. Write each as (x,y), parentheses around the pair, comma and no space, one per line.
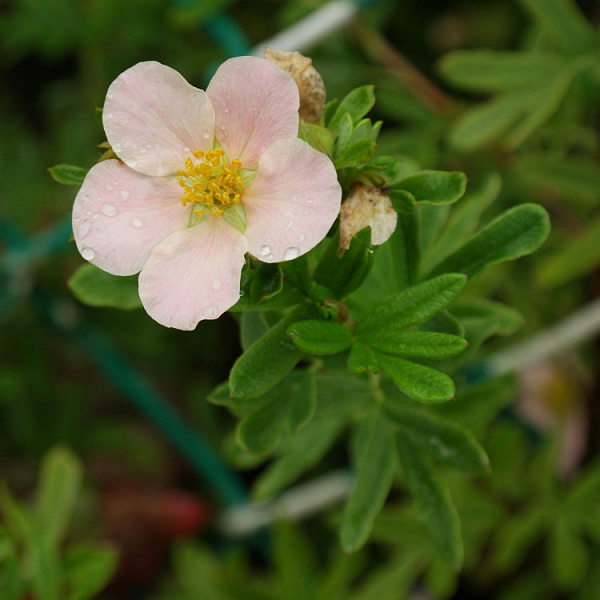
(301,238)
(264,250)
(137,222)
(124,195)
(142,150)
(206,134)
(291,253)
(108,209)
(187,149)
(109,187)
(310,200)
(109,94)
(289,225)
(132,162)
(83,229)
(211,312)
(217,285)
(87,253)
(95,216)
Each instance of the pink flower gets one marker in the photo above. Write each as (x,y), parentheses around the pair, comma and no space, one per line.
(205,177)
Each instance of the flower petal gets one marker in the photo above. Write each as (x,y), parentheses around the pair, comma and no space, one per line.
(292,203)
(194,274)
(154,118)
(256,103)
(120,215)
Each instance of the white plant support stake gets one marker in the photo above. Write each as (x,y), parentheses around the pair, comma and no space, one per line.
(312,29)
(296,503)
(576,328)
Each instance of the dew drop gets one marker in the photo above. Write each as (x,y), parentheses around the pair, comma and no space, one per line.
(132,162)
(137,223)
(264,250)
(83,229)
(211,312)
(142,150)
(109,94)
(301,238)
(108,209)
(88,253)
(206,134)
(109,187)
(217,285)
(291,253)
(95,216)
(310,200)
(124,195)
(289,225)
(187,149)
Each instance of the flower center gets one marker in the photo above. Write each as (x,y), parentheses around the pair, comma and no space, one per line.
(212,184)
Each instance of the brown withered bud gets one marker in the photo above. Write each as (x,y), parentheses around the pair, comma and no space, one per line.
(307,78)
(366,206)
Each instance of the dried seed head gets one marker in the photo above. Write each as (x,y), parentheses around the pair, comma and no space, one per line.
(307,78)
(366,206)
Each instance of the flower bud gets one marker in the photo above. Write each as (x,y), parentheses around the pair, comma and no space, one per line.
(366,206)
(307,78)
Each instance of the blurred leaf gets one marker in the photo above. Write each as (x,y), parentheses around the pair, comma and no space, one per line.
(568,556)
(46,571)
(320,337)
(302,402)
(562,20)
(58,488)
(417,381)
(295,562)
(374,462)
(267,361)
(434,187)
(12,586)
(68,174)
(445,441)
(432,501)
(95,287)
(88,569)
(198,572)
(517,232)
(413,305)
(508,319)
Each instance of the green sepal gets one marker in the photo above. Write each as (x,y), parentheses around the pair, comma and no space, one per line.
(434,187)
(362,358)
(418,382)
(402,201)
(320,337)
(344,133)
(317,137)
(266,283)
(342,275)
(204,212)
(95,287)
(68,174)
(235,215)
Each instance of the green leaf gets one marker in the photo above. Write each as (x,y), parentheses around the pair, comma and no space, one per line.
(402,201)
(319,138)
(418,344)
(417,381)
(59,486)
(362,358)
(88,569)
(563,22)
(434,187)
(12,586)
(94,287)
(413,305)
(517,232)
(302,402)
(320,337)
(342,275)
(509,320)
(357,104)
(446,442)
(68,174)
(267,361)
(432,501)
(253,325)
(266,283)
(374,462)
(355,154)
(45,570)
(345,128)
(494,71)
(303,451)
